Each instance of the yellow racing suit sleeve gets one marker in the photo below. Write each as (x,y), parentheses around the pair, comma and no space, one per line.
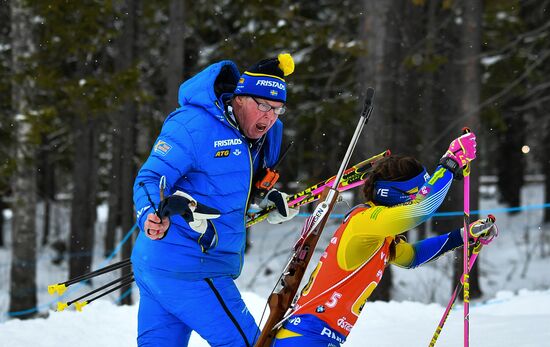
(385,221)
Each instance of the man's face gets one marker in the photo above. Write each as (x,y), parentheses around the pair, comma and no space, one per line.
(253,122)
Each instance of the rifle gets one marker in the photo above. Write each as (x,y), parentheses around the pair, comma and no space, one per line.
(281,302)
(353,177)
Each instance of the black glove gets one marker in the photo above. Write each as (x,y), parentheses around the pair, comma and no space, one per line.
(174,205)
(282,212)
(194,213)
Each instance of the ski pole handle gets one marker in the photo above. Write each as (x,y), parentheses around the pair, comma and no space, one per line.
(60,288)
(162,187)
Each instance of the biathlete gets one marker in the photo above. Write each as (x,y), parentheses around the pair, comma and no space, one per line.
(400,196)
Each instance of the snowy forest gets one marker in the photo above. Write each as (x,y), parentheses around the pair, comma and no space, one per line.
(86,85)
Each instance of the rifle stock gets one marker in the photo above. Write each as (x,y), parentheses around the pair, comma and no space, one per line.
(280,303)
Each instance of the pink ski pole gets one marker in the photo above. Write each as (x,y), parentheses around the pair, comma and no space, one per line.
(476,249)
(451,303)
(466,275)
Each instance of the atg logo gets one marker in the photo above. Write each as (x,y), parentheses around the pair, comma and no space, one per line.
(222,153)
(267,83)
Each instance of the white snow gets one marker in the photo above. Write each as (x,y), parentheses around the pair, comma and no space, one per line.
(487,61)
(510,320)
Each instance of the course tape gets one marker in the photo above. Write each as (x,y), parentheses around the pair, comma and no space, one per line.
(334,215)
(461,213)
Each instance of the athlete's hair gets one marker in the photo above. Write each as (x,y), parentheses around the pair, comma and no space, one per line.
(393,168)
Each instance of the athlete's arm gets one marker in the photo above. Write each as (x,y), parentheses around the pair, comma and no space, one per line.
(412,255)
(388,221)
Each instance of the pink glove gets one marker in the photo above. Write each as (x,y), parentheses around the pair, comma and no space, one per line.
(463,149)
(484,230)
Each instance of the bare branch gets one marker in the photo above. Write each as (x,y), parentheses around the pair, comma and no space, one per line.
(490,100)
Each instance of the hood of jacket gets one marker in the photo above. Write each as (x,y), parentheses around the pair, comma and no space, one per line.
(200,90)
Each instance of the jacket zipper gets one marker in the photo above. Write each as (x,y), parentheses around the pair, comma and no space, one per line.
(251,167)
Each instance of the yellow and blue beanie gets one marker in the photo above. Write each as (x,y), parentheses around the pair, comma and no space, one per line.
(266,80)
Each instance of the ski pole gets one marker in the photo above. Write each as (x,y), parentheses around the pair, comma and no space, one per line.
(283,155)
(466,250)
(458,287)
(78,304)
(60,288)
(269,176)
(475,251)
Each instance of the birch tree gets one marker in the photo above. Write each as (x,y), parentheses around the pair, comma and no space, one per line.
(24,238)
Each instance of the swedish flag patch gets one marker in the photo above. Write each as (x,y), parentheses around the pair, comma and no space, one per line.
(162,147)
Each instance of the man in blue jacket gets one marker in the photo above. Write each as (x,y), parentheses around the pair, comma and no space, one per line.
(205,161)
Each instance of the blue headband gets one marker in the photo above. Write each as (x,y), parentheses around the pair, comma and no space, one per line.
(391,193)
(264,86)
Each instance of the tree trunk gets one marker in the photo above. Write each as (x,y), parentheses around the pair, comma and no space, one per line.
(175,61)
(546,170)
(46,186)
(127,123)
(512,139)
(113,217)
(429,84)
(545,235)
(2,207)
(373,70)
(83,205)
(23,263)
(469,96)
(428,112)
(535,15)
(128,173)
(391,30)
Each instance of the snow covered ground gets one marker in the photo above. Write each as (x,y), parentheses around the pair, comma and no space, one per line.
(508,320)
(514,311)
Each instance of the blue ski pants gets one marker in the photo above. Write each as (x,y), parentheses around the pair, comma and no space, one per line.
(171,308)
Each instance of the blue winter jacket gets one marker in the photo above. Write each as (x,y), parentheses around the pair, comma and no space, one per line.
(202,153)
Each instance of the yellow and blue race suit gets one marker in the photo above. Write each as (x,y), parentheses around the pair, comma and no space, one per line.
(354,261)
